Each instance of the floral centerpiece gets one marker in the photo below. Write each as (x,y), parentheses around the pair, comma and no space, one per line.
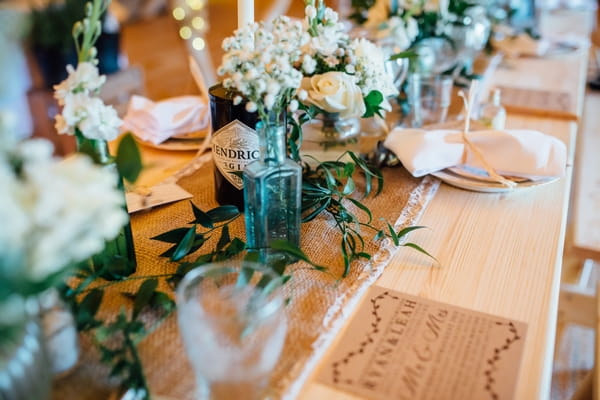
(260,64)
(344,78)
(426,26)
(341,75)
(55,215)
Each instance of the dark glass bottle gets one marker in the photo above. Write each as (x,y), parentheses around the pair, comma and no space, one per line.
(118,257)
(234,144)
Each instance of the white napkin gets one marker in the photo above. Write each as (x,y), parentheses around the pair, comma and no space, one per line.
(158,121)
(522,45)
(523,153)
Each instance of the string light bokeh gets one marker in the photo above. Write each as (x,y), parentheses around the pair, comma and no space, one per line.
(191,16)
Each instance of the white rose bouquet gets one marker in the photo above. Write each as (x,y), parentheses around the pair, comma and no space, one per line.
(341,75)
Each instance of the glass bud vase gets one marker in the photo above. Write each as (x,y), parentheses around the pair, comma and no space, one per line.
(272,192)
(118,257)
(330,128)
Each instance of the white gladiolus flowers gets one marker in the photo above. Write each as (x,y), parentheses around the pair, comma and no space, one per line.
(82,109)
(54,213)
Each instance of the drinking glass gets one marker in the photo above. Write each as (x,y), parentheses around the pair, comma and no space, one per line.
(231,317)
(428,98)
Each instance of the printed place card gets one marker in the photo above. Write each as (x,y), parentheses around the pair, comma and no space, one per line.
(545,103)
(400,346)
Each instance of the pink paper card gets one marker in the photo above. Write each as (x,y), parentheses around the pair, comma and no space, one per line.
(400,346)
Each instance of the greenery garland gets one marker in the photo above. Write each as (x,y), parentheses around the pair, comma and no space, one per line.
(327,188)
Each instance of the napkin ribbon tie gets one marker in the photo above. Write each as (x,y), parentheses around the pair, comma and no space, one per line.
(468,102)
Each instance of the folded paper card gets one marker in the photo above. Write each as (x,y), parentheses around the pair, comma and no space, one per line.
(156,122)
(154,196)
(521,153)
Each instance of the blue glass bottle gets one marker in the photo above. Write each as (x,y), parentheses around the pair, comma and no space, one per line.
(272,191)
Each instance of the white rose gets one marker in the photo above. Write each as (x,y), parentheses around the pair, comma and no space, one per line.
(335,92)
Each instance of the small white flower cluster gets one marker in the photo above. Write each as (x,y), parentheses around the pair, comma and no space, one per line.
(54,213)
(82,109)
(370,68)
(260,62)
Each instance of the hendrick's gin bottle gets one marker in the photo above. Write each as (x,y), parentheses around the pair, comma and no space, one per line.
(234,144)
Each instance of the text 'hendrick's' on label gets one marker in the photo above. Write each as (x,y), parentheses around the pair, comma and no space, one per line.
(233,147)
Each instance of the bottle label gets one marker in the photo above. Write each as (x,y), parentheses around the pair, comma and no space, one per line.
(233,147)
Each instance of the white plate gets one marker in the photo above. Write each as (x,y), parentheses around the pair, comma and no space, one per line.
(184,142)
(175,144)
(201,134)
(475,183)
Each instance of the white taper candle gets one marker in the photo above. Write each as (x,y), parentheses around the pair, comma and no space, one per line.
(245,11)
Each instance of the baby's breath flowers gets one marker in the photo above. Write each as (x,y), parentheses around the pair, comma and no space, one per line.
(259,65)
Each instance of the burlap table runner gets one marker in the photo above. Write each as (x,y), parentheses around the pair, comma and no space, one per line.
(320,301)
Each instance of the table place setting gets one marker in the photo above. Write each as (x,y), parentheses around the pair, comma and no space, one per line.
(528,158)
(255,271)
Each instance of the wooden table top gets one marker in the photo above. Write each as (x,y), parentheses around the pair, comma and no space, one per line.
(499,253)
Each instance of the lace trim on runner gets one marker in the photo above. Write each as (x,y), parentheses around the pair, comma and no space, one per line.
(289,387)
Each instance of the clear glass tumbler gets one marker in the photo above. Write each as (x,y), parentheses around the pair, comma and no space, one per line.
(231,317)
(428,98)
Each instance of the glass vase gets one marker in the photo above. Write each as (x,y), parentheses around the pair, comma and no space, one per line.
(118,256)
(272,191)
(24,370)
(330,128)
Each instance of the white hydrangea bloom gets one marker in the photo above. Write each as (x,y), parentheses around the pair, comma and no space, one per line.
(55,213)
